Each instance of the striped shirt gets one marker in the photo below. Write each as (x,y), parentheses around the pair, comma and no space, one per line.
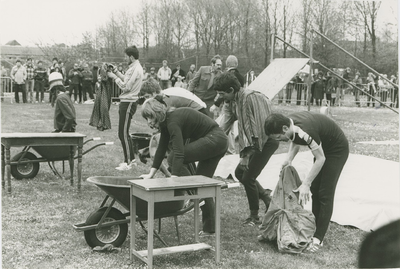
(251,109)
(30,71)
(131,82)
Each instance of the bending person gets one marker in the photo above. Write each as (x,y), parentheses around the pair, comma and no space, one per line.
(330,148)
(208,145)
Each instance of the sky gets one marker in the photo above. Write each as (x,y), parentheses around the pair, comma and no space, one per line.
(64,21)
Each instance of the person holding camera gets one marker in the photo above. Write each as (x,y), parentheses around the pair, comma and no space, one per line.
(130,85)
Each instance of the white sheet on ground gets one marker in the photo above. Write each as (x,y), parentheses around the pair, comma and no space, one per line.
(276,75)
(367,195)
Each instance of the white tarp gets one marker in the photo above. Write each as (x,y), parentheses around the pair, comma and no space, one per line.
(367,195)
(277,74)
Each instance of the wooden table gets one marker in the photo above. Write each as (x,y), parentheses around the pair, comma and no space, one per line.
(170,189)
(9,140)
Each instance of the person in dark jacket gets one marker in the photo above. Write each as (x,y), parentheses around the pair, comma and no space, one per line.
(208,145)
(75,76)
(330,149)
(64,112)
(87,78)
(40,75)
(177,73)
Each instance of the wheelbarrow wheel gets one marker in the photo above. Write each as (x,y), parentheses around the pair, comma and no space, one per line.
(24,170)
(115,234)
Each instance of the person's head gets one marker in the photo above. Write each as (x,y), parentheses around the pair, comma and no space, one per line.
(164,63)
(18,63)
(86,66)
(29,61)
(131,54)
(192,67)
(99,78)
(152,70)
(277,126)
(40,64)
(76,66)
(216,63)
(178,66)
(55,60)
(120,68)
(226,85)
(380,248)
(60,63)
(154,112)
(348,70)
(150,88)
(231,62)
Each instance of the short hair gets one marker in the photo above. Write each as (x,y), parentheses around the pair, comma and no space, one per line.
(154,109)
(274,123)
(215,58)
(132,51)
(39,62)
(18,61)
(55,59)
(224,81)
(58,88)
(164,61)
(150,86)
(380,248)
(29,59)
(60,62)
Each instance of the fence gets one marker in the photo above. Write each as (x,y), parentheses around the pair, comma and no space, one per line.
(6,88)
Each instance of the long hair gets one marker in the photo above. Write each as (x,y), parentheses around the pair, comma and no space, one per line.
(154,109)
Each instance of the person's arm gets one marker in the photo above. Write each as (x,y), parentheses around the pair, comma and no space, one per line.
(159,74)
(71,73)
(227,118)
(129,79)
(304,189)
(293,150)
(159,155)
(195,81)
(68,113)
(12,74)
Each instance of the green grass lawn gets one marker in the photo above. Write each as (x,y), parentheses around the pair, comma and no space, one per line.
(37,217)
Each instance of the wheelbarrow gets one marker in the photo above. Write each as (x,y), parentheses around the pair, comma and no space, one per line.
(108,225)
(25,164)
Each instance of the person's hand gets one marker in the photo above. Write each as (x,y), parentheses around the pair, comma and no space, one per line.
(111,75)
(145,176)
(244,163)
(213,108)
(75,73)
(304,193)
(286,163)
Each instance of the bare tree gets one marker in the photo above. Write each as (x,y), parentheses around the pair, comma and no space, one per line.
(145,25)
(181,24)
(369,12)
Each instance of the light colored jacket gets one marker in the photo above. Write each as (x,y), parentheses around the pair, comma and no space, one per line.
(18,74)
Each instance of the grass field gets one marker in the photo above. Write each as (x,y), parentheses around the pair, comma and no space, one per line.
(37,217)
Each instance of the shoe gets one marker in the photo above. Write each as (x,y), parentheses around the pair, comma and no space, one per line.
(314,246)
(205,234)
(76,102)
(261,238)
(125,166)
(252,221)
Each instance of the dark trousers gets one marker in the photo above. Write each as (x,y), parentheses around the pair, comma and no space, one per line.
(39,88)
(323,189)
(371,92)
(126,112)
(207,151)
(74,90)
(298,97)
(164,84)
(394,97)
(384,95)
(289,90)
(19,88)
(87,89)
(329,98)
(253,188)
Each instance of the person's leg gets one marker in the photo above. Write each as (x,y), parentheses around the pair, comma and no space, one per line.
(23,89)
(16,90)
(126,111)
(254,191)
(41,88)
(298,96)
(90,90)
(84,90)
(80,92)
(323,192)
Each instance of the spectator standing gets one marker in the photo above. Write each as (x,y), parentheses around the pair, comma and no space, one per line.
(75,76)
(319,88)
(395,92)
(371,88)
(190,74)
(328,87)
(4,75)
(87,78)
(130,85)
(40,79)
(100,117)
(30,81)
(251,109)
(289,90)
(358,82)
(63,71)
(53,66)
(176,74)
(164,74)
(201,84)
(95,73)
(383,88)
(152,73)
(18,76)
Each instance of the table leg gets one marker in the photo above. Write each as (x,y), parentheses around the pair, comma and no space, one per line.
(196,220)
(3,166)
(8,169)
(150,228)
(133,224)
(71,163)
(217,223)
(80,147)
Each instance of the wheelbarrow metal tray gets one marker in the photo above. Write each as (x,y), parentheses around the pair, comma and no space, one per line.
(119,189)
(54,153)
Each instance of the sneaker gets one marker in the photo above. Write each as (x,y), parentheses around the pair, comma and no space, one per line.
(252,221)
(76,102)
